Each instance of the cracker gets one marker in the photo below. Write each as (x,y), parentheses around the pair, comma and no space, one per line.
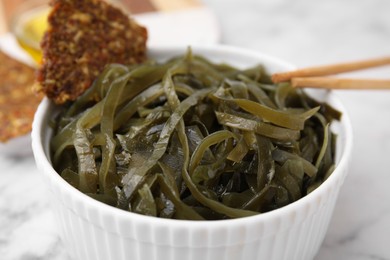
(18,103)
(83,37)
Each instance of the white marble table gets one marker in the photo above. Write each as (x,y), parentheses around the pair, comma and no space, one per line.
(304,32)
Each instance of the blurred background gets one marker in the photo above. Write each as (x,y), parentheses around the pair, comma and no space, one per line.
(306,32)
(303,32)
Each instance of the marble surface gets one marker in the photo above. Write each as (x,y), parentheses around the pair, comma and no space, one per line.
(304,32)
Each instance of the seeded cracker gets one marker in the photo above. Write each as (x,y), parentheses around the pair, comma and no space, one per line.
(17,100)
(83,36)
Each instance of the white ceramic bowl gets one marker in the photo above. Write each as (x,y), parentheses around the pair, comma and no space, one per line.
(93,230)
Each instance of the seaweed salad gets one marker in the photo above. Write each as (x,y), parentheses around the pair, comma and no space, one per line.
(191,139)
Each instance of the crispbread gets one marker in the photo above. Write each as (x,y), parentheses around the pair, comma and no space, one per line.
(83,37)
(17,100)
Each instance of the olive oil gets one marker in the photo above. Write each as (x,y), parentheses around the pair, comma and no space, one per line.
(29,29)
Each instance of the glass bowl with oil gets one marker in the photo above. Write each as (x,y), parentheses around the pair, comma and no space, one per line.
(29,24)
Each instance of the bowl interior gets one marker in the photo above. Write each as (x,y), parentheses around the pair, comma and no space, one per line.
(234,56)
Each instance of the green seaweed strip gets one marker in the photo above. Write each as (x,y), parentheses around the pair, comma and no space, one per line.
(282,92)
(111,102)
(239,152)
(259,199)
(324,146)
(285,177)
(215,205)
(87,166)
(160,147)
(183,211)
(107,129)
(145,203)
(266,164)
(282,156)
(280,118)
(208,141)
(255,89)
(260,128)
(147,96)
(107,174)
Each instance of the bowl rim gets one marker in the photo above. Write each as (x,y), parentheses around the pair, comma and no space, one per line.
(45,166)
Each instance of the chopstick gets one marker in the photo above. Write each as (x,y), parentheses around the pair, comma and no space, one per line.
(311,77)
(339,83)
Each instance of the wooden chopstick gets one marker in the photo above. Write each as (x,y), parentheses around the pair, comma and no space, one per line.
(330,69)
(339,83)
